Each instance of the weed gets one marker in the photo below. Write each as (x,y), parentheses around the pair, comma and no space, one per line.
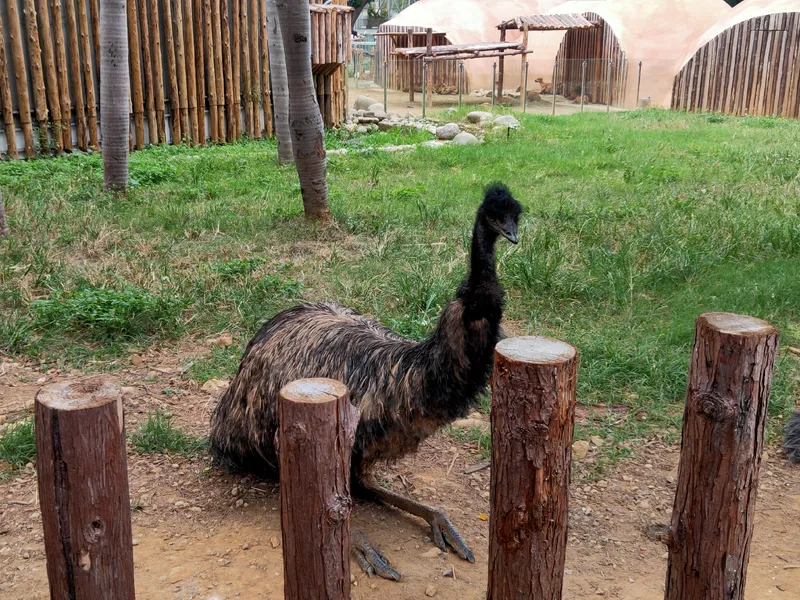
(17,444)
(159,436)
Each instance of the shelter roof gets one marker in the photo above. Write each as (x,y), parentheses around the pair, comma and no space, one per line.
(548,22)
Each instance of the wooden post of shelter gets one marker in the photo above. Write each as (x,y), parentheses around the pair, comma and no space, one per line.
(158,70)
(533,410)
(316,435)
(21,76)
(255,72)
(429,70)
(410,66)
(501,65)
(37,71)
(730,375)
(172,75)
(147,71)
(136,75)
(211,72)
(236,58)
(523,59)
(5,100)
(230,119)
(196,113)
(76,75)
(61,70)
(83,490)
(88,75)
(200,69)
(49,60)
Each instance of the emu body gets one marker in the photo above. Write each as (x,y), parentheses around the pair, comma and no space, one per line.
(405,390)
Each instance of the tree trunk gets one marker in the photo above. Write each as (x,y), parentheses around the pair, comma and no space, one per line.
(316,435)
(280,86)
(357,13)
(305,121)
(114,92)
(83,487)
(730,375)
(533,409)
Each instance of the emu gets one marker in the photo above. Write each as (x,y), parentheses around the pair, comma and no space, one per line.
(791,440)
(405,390)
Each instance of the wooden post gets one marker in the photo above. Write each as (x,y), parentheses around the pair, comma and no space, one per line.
(533,409)
(172,74)
(730,375)
(136,74)
(83,490)
(317,430)
(76,75)
(245,67)
(523,60)
(5,100)
(236,58)
(61,71)
(48,58)
(180,61)
(266,89)
(21,76)
(158,70)
(37,72)
(230,118)
(501,67)
(195,112)
(149,91)
(211,73)
(255,73)
(429,69)
(88,75)
(410,66)
(94,12)
(200,69)
(219,80)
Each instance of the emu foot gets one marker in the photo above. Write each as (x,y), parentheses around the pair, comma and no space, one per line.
(443,533)
(371,561)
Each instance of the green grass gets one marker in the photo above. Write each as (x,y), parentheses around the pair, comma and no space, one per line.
(17,444)
(635,223)
(159,436)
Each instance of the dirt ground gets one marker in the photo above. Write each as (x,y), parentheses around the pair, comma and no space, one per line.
(203,534)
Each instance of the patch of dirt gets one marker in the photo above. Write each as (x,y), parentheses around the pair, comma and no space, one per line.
(202,534)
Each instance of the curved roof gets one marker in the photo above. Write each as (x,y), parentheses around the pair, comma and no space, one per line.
(749,9)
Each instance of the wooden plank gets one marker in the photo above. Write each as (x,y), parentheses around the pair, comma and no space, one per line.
(147,70)
(61,71)
(88,74)
(158,70)
(75,74)
(136,75)
(255,71)
(180,61)
(211,71)
(230,117)
(219,76)
(6,101)
(172,74)
(20,76)
(247,89)
(195,112)
(94,12)
(37,72)
(236,56)
(265,82)
(200,56)
(49,61)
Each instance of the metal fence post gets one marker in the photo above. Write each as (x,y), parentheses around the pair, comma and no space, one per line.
(553,91)
(424,87)
(494,81)
(639,84)
(525,90)
(385,85)
(460,82)
(583,84)
(608,87)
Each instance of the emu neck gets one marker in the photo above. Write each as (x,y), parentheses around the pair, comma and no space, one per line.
(482,271)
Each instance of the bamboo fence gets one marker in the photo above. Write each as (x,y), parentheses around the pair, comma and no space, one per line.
(199,72)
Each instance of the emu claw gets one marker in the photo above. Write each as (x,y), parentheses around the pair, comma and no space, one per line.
(371,561)
(443,533)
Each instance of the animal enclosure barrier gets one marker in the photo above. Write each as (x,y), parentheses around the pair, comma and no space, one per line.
(199,71)
(752,68)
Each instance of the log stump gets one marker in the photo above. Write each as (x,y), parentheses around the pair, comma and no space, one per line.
(533,409)
(316,435)
(730,375)
(83,490)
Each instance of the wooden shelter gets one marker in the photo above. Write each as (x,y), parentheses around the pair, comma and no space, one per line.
(199,71)
(747,64)
(403,68)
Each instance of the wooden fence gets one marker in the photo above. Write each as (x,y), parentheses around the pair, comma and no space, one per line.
(199,71)
(752,68)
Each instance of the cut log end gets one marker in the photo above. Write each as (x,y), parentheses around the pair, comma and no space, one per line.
(536,350)
(79,395)
(314,391)
(733,324)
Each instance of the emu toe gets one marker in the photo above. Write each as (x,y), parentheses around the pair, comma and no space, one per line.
(371,561)
(443,533)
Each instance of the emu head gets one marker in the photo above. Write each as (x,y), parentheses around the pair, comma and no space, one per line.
(500,212)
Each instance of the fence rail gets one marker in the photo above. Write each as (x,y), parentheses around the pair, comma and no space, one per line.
(199,71)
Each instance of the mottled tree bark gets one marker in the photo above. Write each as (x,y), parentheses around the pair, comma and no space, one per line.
(730,375)
(83,488)
(533,409)
(115,92)
(316,434)
(305,121)
(280,86)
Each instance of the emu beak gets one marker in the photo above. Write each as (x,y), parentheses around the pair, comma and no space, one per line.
(510,232)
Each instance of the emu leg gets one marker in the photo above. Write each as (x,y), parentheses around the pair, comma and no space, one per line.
(443,532)
(371,561)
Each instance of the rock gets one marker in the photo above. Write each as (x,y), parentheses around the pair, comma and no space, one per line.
(366,119)
(432,553)
(134,542)
(644,504)
(129,392)
(448,572)
(393,116)
(433,144)
(447,132)
(245,546)
(597,441)
(450,111)
(430,591)
(136,360)
(580,449)
(469,424)
(239,503)
(181,504)
(386,125)
(226,339)
(364,102)
(361,129)
(177,574)
(377,107)
(215,387)
(235,491)
(274,542)
(505,121)
(465,138)
(477,116)
(379,114)
(533,96)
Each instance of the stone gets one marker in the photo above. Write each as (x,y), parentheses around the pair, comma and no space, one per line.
(215,387)
(364,102)
(432,553)
(274,542)
(379,114)
(580,449)
(450,111)
(448,572)
(361,129)
(226,339)
(505,121)
(433,144)
(597,441)
(470,424)
(447,132)
(365,119)
(465,138)
(177,574)
(430,591)
(386,125)
(377,107)
(136,360)
(477,116)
